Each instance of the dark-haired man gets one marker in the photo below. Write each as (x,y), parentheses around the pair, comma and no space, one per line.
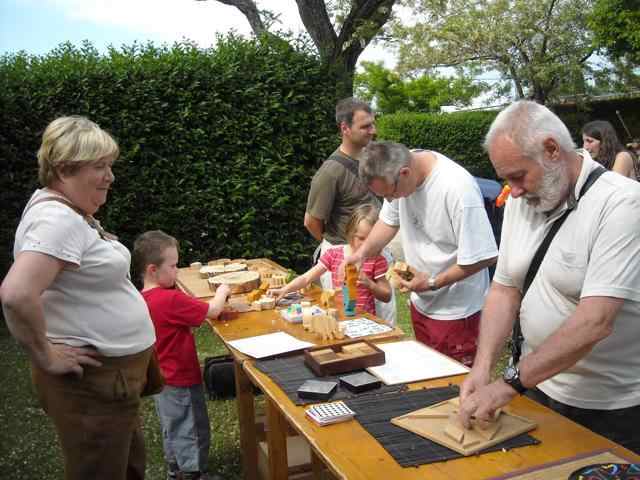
(336,189)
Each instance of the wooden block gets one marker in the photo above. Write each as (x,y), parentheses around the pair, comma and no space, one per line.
(354,347)
(455,432)
(254,295)
(487,430)
(235,267)
(403,270)
(324,351)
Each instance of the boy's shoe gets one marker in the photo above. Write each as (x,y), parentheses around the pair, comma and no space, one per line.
(173,472)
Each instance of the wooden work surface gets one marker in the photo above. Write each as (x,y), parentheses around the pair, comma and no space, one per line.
(189,279)
(351,453)
(235,326)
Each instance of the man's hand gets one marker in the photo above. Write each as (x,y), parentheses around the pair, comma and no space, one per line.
(63,359)
(419,282)
(354,259)
(484,401)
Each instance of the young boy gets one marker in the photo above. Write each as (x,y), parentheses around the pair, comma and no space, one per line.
(181,406)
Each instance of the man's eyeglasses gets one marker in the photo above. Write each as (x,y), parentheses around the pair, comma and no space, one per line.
(392,195)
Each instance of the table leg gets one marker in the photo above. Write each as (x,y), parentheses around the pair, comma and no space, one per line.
(247,422)
(316,465)
(277,442)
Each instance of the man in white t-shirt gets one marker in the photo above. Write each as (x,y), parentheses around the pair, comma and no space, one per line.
(446,237)
(580,317)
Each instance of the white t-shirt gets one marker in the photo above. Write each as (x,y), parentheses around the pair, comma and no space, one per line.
(596,252)
(444,223)
(91,302)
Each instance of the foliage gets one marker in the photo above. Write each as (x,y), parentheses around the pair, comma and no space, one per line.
(217,146)
(538,45)
(456,135)
(392,93)
(616,25)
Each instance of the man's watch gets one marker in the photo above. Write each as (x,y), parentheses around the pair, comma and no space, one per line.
(432,283)
(511,377)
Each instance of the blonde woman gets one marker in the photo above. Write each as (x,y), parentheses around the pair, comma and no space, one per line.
(69,302)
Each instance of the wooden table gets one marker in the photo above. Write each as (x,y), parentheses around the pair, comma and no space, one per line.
(349,452)
(241,325)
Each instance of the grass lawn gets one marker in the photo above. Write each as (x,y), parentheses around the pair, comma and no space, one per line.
(28,445)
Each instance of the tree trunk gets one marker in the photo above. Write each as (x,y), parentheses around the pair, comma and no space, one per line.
(339,51)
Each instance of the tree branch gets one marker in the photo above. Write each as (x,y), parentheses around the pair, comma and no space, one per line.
(250,10)
(315,18)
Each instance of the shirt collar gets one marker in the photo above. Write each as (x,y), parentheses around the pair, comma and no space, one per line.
(588,165)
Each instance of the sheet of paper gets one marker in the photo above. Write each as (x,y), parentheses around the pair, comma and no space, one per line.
(362,327)
(412,361)
(267,345)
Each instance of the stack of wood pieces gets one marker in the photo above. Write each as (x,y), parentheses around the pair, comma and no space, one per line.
(277,280)
(327,298)
(351,281)
(217,267)
(325,326)
(440,423)
(238,282)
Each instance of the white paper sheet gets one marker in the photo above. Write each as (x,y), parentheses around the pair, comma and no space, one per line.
(412,361)
(362,327)
(271,344)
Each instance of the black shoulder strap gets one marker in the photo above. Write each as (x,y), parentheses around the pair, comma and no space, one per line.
(517,337)
(544,246)
(348,163)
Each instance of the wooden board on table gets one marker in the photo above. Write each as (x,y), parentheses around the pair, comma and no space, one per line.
(433,423)
(189,279)
(561,469)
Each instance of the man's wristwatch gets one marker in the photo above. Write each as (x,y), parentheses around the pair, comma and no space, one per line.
(432,283)
(511,377)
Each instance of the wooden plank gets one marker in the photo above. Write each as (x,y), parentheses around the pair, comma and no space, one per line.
(247,423)
(277,441)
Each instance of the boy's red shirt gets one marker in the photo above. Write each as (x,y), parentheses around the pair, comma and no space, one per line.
(174,314)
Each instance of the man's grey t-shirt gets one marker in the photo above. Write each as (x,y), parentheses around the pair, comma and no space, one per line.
(336,191)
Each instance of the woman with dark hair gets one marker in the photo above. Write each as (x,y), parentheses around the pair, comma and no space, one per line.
(600,140)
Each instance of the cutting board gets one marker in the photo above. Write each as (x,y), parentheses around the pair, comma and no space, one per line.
(190,282)
(431,422)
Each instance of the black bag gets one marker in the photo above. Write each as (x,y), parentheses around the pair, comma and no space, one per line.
(219,377)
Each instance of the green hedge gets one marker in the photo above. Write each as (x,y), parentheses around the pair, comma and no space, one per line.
(456,135)
(217,146)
